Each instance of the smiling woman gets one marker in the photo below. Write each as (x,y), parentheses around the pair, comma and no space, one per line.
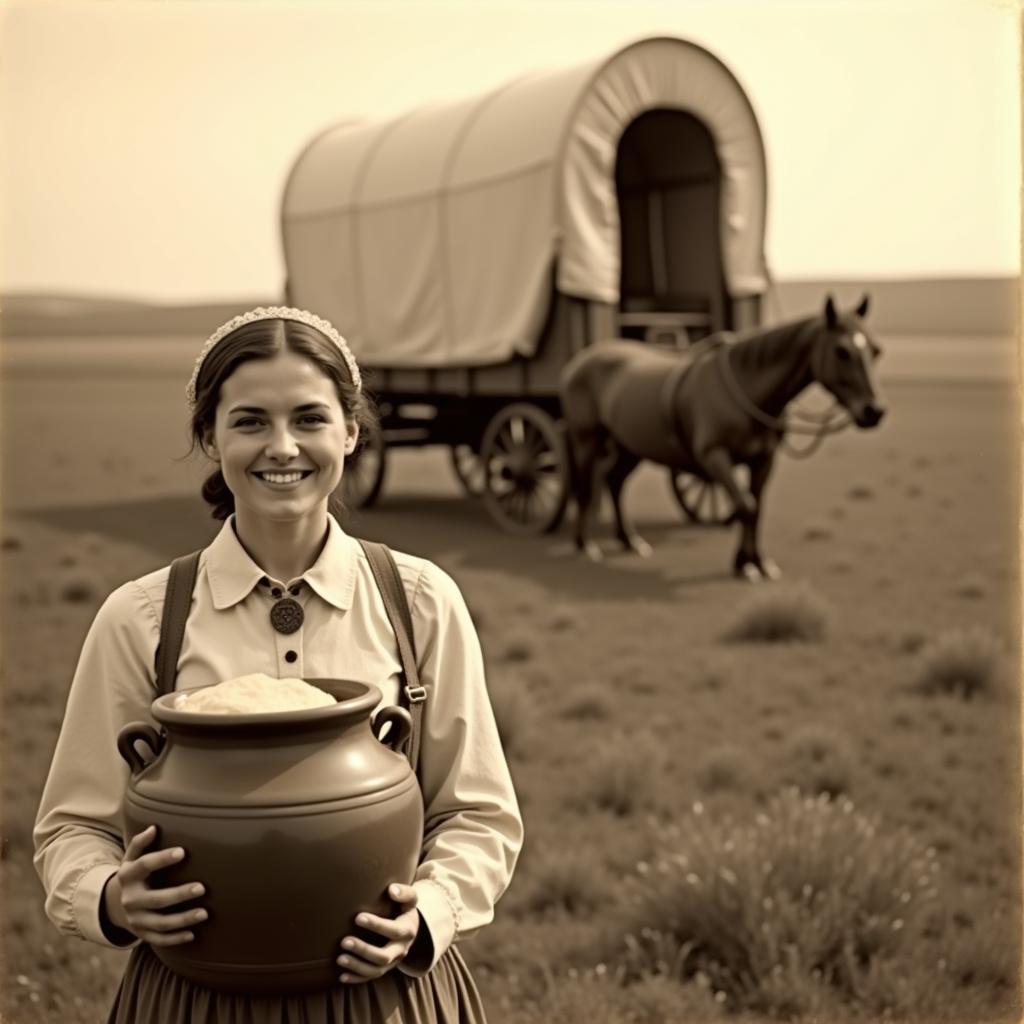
(277,404)
(260,390)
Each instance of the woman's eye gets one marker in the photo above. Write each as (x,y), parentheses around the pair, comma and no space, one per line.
(247,421)
(312,418)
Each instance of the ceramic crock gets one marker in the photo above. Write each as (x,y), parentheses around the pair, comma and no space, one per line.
(293,821)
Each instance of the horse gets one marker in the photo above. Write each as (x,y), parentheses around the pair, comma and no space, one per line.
(707,410)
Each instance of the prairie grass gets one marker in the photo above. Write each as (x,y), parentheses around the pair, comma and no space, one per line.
(78,587)
(518,649)
(587,707)
(596,996)
(623,778)
(513,713)
(726,767)
(911,641)
(563,881)
(860,492)
(962,662)
(781,613)
(970,588)
(817,759)
(649,638)
(817,531)
(712,677)
(790,913)
(901,719)
(565,618)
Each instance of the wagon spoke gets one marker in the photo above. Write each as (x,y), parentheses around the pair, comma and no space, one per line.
(537,442)
(518,504)
(495,473)
(506,496)
(517,430)
(530,503)
(714,503)
(550,485)
(502,486)
(501,442)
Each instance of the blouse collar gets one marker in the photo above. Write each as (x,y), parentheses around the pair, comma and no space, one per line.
(233,574)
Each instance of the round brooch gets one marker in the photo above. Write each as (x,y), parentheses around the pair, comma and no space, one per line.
(286,615)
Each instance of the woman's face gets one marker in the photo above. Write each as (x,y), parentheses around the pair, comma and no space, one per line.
(281,438)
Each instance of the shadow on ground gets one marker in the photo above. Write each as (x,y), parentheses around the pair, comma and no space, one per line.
(454,532)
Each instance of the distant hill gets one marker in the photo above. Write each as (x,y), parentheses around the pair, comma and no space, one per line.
(27,315)
(914,306)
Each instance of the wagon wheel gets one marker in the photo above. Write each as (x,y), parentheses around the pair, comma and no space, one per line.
(526,474)
(469,469)
(363,477)
(704,502)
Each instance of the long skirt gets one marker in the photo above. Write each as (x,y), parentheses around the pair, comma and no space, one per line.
(152,994)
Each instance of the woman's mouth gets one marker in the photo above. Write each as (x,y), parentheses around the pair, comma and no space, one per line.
(281,478)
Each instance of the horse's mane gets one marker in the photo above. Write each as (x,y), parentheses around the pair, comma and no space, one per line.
(760,347)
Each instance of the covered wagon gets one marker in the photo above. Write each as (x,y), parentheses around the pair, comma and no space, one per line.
(467,250)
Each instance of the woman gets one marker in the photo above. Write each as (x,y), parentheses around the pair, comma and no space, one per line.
(277,403)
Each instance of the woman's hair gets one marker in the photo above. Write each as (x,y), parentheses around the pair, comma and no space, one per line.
(265,339)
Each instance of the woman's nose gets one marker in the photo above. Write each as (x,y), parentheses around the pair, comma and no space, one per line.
(282,445)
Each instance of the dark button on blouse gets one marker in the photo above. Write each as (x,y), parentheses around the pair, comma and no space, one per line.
(290,656)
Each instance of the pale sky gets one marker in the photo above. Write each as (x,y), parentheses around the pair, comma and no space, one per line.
(145,144)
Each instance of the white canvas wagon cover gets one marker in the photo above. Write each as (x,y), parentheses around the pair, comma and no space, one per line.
(434,239)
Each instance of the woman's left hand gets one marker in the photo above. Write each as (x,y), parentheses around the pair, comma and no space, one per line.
(361,961)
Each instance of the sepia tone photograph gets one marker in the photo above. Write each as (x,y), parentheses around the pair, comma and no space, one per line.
(510,511)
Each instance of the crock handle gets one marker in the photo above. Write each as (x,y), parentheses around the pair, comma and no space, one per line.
(401,725)
(127,738)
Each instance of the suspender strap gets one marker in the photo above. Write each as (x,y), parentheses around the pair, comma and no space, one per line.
(389,582)
(177,603)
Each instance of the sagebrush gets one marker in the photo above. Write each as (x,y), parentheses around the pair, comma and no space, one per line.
(787,913)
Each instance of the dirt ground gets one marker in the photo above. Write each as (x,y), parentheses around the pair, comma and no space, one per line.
(904,533)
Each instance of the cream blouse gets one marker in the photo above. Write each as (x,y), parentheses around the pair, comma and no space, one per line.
(472,827)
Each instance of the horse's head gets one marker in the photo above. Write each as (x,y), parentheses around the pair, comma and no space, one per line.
(843,363)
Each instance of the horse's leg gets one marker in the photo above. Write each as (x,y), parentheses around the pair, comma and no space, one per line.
(719,466)
(617,474)
(586,475)
(760,469)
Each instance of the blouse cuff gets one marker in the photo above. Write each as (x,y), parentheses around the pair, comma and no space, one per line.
(438,916)
(85,905)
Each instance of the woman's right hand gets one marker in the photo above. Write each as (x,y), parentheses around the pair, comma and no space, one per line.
(132,905)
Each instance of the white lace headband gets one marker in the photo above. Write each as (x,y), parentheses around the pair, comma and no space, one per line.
(274,313)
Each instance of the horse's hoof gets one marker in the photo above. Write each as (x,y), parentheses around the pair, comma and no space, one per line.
(641,547)
(769,570)
(749,572)
(593,552)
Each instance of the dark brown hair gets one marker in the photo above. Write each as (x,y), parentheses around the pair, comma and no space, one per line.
(265,339)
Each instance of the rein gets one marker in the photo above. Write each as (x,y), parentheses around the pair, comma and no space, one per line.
(823,424)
